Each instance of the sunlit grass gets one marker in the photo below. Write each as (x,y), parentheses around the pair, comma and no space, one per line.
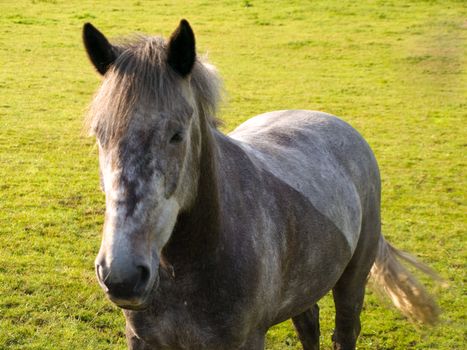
(393,69)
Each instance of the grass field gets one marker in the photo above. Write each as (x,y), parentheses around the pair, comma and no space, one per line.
(396,70)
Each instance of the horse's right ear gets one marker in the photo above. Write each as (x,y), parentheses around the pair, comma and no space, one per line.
(101,53)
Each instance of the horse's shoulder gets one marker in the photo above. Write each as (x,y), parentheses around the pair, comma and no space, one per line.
(314,153)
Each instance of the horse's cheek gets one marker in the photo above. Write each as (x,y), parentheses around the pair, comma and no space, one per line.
(172,175)
(176,165)
(171,180)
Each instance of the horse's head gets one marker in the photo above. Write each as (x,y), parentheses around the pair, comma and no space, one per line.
(145,117)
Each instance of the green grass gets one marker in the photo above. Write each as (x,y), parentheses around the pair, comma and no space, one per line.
(393,69)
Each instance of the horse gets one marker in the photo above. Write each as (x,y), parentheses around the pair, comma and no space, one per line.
(210,239)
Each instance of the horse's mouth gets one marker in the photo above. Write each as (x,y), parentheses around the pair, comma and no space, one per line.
(133,307)
(138,302)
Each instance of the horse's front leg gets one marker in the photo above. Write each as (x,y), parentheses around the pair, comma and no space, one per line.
(307,326)
(134,343)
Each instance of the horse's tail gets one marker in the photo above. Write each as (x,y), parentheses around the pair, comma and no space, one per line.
(406,293)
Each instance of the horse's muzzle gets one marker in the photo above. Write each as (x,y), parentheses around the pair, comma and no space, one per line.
(130,288)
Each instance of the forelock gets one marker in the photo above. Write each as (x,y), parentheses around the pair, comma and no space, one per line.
(142,79)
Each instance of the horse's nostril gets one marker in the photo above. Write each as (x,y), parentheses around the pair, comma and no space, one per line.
(144,275)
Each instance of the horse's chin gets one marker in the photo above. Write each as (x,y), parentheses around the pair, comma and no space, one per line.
(133,307)
(139,304)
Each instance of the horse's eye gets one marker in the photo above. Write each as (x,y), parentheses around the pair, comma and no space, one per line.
(177,137)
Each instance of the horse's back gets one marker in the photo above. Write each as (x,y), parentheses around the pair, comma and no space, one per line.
(318,155)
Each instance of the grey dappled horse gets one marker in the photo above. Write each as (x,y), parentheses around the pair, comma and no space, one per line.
(210,239)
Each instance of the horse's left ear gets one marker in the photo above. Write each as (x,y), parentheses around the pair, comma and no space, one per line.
(181,54)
